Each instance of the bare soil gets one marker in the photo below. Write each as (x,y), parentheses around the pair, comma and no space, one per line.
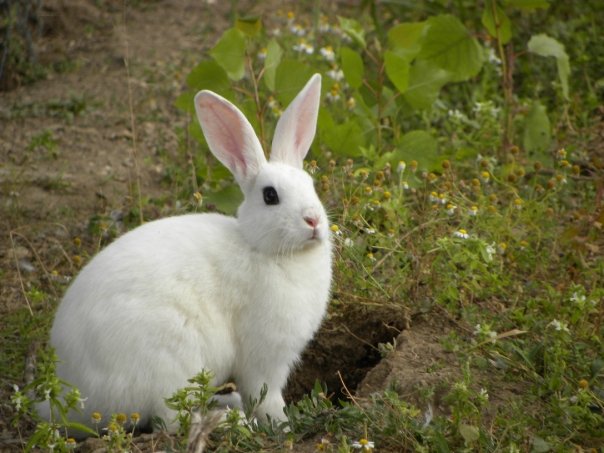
(49,193)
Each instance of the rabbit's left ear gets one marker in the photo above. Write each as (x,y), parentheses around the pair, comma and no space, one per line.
(297,126)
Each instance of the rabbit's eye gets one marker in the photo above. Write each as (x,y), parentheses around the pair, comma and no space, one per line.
(270,195)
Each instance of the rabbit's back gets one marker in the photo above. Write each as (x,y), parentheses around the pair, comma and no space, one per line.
(144,315)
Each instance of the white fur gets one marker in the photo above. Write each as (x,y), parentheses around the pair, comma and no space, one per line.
(238,296)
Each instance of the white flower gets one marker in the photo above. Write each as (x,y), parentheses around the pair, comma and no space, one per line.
(451,208)
(327,53)
(456,115)
(559,325)
(473,211)
(336,74)
(401,166)
(363,444)
(484,394)
(348,242)
(297,30)
(461,233)
(490,250)
(332,96)
(304,47)
(369,230)
(492,57)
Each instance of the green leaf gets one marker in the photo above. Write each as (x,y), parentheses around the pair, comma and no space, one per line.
(290,77)
(207,75)
(272,60)
(537,129)
(450,46)
(250,26)
(229,53)
(352,66)
(226,200)
(420,146)
(469,433)
(407,36)
(353,29)
(497,22)
(397,70)
(344,140)
(547,46)
(425,82)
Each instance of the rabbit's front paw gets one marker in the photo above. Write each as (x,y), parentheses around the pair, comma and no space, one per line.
(272,407)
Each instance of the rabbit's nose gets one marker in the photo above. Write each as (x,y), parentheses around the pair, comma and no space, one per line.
(311,221)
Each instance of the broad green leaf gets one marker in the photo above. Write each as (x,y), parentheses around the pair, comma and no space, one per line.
(271,62)
(450,46)
(353,29)
(420,146)
(229,53)
(352,66)
(537,129)
(425,82)
(344,140)
(469,433)
(496,22)
(529,5)
(547,46)
(207,75)
(406,36)
(226,200)
(290,77)
(397,70)
(251,26)
(184,102)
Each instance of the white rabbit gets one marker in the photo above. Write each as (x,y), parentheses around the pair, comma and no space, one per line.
(238,296)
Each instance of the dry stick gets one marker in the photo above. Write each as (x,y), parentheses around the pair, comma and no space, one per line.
(347,392)
(38,259)
(12,241)
(133,150)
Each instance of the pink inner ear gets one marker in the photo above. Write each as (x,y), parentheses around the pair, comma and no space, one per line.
(222,128)
(302,125)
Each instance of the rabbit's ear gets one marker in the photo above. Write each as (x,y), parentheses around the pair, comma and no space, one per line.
(296,127)
(230,136)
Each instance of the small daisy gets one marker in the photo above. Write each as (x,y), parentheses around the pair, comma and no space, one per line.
(327,53)
(304,47)
(473,211)
(451,208)
(333,94)
(461,233)
(297,29)
(363,444)
(400,168)
(336,74)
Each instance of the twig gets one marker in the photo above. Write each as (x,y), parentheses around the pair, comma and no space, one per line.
(347,392)
(12,241)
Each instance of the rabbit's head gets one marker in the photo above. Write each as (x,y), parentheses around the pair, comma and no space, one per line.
(281,213)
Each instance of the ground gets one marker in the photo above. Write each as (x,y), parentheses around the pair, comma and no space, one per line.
(72,147)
